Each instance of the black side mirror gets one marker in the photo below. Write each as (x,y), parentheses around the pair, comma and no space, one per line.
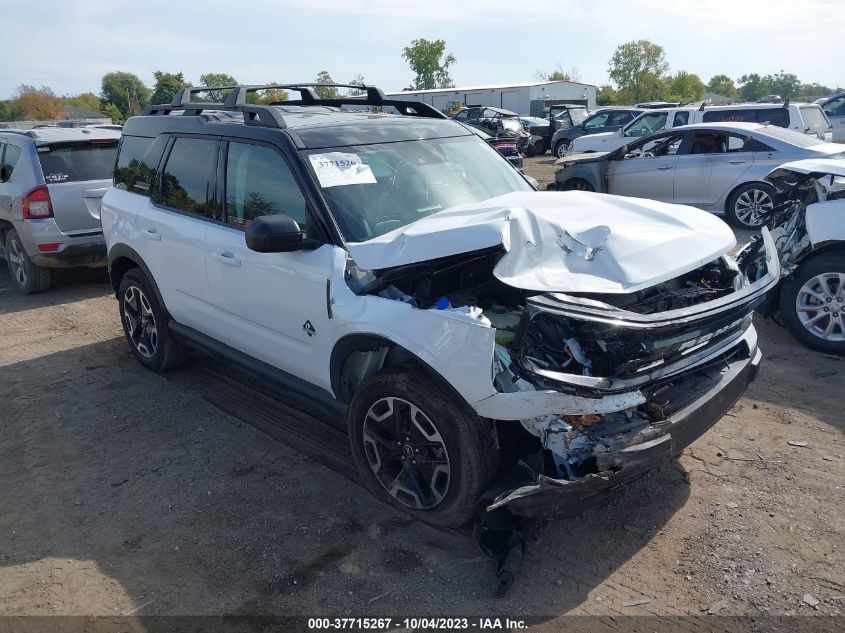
(4,173)
(277,234)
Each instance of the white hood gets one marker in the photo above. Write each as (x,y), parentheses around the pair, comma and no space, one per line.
(571,241)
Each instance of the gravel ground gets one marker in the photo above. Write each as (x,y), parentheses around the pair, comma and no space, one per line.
(194,493)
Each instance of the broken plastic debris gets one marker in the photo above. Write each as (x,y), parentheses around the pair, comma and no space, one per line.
(797,443)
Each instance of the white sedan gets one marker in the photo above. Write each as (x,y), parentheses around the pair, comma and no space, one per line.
(716,167)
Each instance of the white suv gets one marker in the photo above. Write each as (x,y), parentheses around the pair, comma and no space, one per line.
(484,339)
(807,118)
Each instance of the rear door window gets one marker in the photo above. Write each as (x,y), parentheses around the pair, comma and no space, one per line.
(137,162)
(187,183)
(77,162)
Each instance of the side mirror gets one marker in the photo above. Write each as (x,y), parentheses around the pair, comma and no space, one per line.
(277,234)
(4,173)
(619,154)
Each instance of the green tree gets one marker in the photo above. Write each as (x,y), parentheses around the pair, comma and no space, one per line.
(39,104)
(113,112)
(722,85)
(358,80)
(216,80)
(325,92)
(605,95)
(5,111)
(85,100)
(752,87)
(166,86)
(559,74)
(784,84)
(263,97)
(430,64)
(684,87)
(125,91)
(638,68)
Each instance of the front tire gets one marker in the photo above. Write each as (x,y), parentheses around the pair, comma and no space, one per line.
(576,184)
(28,277)
(418,449)
(144,322)
(749,206)
(812,303)
(561,147)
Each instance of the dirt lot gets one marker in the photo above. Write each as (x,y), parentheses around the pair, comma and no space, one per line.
(192,493)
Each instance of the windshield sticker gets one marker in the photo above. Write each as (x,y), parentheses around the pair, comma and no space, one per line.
(335,169)
(60,177)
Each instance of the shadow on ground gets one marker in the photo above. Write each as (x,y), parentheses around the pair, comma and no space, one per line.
(194,511)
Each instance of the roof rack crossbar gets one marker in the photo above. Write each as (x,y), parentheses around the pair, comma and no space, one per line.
(406,108)
(269,116)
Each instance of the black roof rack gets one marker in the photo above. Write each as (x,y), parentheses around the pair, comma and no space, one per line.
(270,116)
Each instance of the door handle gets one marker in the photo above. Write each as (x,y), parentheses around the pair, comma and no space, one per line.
(737,162)
(152,234)
(226,258)
(664,167)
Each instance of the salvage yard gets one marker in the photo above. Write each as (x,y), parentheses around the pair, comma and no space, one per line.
(125,492)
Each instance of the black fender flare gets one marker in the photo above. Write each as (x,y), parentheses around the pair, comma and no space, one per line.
(397,355)
(120,252)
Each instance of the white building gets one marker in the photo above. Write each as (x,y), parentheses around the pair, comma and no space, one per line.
(525,98)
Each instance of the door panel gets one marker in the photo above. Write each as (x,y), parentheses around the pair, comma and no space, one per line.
(173,246)
(272,306)
(642,177)
(171,232)
(703,179)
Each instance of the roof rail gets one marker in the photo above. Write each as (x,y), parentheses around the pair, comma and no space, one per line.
(29,133)
(268,115)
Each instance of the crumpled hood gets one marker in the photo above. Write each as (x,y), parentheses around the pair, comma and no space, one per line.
(571,241)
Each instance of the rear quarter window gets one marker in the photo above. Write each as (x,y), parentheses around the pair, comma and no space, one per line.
(77,162)
(137,163)
(10,159)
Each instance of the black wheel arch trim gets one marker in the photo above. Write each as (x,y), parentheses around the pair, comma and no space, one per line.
(124,251)
(397,355)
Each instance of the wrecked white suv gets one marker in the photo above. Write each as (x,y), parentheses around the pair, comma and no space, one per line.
(487,341)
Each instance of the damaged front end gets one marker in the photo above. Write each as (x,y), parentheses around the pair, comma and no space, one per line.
(615,345)
(676,357)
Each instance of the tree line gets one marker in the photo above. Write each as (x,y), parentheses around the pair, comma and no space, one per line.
(638,70)
(124,94)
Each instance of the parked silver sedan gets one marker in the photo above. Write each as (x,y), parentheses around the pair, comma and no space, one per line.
(717,167)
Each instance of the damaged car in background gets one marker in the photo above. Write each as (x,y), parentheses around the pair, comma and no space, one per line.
(497,351)
(809,231)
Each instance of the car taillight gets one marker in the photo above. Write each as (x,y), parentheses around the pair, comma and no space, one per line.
(36,204)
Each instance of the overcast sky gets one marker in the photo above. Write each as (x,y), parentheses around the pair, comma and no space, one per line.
(70,44)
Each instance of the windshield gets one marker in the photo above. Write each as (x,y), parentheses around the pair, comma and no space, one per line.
(578,115)
(512,124)
(645,124)
(374,189)
(814,119)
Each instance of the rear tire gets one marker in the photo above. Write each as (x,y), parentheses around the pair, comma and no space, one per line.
(28,277)
(749,204)
(817,284)
(419,450)
(145,324)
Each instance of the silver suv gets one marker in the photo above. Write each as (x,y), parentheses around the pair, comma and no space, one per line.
(51,183)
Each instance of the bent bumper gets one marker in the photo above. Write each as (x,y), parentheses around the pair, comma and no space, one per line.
(536,496)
